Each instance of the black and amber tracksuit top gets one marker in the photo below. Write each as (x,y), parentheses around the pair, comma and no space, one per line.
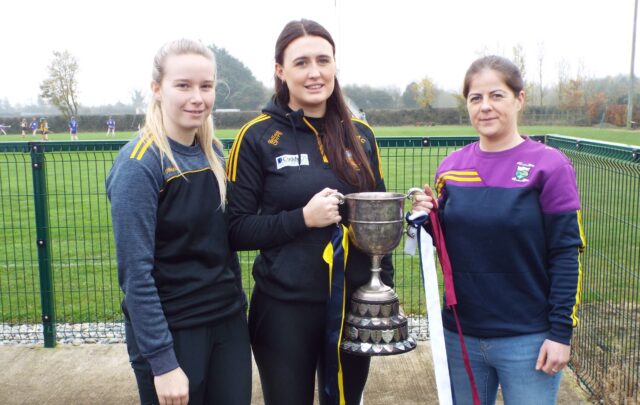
(275,167)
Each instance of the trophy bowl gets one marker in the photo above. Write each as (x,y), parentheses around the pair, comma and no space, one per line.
(376,221)
(375,324)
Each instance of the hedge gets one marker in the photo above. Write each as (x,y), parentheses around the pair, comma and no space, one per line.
(532,115)
(124,122)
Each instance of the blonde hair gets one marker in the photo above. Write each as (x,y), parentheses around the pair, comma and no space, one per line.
(154,125)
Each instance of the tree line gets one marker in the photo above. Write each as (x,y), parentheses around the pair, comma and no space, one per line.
(597,99)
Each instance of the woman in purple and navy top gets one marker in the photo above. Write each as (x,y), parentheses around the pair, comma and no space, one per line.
(510,210)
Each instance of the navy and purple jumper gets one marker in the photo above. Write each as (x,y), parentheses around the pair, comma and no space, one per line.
(513,230)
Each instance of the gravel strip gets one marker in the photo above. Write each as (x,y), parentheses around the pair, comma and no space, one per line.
(113,332)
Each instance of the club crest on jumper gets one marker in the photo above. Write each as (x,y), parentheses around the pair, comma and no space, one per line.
(522,172)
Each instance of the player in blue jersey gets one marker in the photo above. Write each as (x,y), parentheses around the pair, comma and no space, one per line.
(510,210)
(184,305)
(111,127)
(73,128)
(34,126)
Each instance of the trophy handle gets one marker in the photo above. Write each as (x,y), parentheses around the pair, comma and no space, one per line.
(340,197)
(412,192)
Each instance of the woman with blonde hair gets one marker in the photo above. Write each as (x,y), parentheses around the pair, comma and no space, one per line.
(183,300)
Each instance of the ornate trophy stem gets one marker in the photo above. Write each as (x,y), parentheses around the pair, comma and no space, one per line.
(375,284)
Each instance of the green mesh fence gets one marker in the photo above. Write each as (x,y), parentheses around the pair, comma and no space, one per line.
(58,279)
(606,344)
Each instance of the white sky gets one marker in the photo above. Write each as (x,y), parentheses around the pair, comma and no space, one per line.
(379,43)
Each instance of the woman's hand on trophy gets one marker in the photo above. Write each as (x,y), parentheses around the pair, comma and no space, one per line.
(322,210)
(424,201)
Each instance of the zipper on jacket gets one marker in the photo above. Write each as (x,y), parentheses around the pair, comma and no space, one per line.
(315,132)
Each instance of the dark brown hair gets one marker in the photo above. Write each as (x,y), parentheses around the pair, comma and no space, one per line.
(340,134)
(508,70)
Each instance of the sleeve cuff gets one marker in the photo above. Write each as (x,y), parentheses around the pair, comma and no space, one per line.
(294,222)
(163,361)
(561,333)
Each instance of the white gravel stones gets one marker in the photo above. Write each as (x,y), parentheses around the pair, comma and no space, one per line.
(66,333)
(113,332)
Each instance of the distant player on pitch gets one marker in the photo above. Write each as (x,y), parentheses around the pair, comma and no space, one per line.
(43,128)
(111,127)
(23,127)
(73,128)
(34,126)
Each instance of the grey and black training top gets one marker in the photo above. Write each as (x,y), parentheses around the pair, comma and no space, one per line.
(174,263)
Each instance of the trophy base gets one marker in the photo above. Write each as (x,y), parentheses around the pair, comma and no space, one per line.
(368,349)
(376,328)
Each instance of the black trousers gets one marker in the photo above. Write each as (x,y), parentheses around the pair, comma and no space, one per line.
(215,358)
(288,344)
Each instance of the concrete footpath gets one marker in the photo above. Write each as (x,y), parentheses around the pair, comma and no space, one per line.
(100,374)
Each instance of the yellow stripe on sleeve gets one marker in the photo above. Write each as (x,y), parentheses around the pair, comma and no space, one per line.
(582,235)
(365,123)
(574,312)
(461,176)
(379,160)
(137,147)
(144,149)
(459,173)
(232,167)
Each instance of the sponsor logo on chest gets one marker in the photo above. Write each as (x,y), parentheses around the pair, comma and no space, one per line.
(292,160)
(275,138)
(522,172)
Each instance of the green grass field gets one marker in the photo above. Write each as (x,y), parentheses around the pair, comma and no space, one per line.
(83,254)
(624,136)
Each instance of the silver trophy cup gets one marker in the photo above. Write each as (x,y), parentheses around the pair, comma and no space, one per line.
(375,324)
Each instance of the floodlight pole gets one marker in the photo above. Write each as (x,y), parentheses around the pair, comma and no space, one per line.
(631,75)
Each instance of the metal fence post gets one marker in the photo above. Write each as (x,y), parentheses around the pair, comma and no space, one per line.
(43,241)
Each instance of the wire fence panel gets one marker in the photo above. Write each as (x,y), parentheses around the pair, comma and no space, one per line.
(19,279)
(81,298)
(83,254)
(606,344)
(58,278)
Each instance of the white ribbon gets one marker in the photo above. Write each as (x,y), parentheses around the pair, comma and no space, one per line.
(436,331)
(432,298)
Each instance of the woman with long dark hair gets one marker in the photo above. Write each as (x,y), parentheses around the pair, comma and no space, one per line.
(283,171)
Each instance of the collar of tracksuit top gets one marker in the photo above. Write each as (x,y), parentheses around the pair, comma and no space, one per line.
(298,122)
(295,119)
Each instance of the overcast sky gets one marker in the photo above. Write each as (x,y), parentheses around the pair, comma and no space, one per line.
(379,43)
